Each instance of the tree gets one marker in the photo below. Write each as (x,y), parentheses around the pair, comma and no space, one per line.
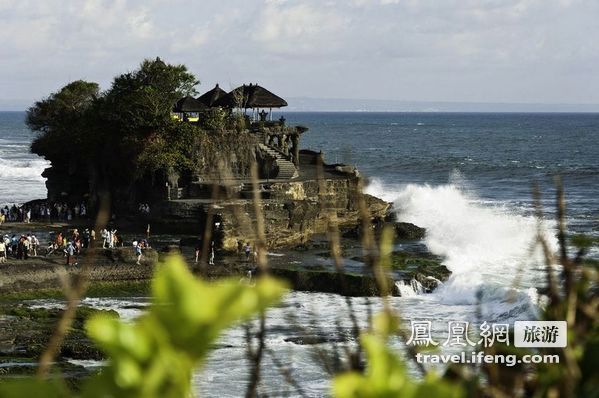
(140,102)
(60,120)
(104,138)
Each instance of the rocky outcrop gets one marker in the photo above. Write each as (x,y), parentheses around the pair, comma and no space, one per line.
(292,211)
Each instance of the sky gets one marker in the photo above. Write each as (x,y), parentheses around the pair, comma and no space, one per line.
(507,51)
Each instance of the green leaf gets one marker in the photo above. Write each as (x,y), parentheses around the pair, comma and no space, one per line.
(154,356)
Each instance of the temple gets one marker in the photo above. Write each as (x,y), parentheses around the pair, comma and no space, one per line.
(295,185)
(277,145)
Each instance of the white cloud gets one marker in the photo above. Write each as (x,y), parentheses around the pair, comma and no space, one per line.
(300,28)
(463,50)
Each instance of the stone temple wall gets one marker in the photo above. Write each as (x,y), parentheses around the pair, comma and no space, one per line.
(293,212)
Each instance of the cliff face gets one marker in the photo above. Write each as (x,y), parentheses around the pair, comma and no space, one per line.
(292,212)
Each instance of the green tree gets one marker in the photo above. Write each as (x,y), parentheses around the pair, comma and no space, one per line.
(140,102)
(107,142)
(61,120)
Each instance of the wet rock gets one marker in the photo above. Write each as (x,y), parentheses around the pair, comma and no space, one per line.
(408,231)
(347,284)
(26,333)
(315,339)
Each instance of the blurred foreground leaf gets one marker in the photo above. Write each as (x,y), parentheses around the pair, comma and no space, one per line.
(386,374)
(155,355)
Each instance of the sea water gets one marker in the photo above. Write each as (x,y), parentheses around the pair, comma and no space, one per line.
(20,170)
(466,178)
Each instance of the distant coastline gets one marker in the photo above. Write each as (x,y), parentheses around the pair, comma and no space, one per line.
(309,104)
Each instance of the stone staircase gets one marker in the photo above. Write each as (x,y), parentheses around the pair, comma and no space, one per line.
(286,167)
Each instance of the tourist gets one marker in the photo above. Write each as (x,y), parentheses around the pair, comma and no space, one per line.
(211,262)
(138,253)
(26,247)
(20,248)
(198,251)
(14,243)
(70,252)
(114,239)
(104,234)
(2,251)
(7,244)
(51,248)
(34,245)
(248,251)
(86,237)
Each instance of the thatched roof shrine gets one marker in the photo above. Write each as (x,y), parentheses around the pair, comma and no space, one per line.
(251,96)
(188,105)
(211,97)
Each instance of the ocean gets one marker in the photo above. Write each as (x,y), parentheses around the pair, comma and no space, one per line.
(466,177)
(20,170)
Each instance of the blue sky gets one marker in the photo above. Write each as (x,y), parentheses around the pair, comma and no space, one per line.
(536,51)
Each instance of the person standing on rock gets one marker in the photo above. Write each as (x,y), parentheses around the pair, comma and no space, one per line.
(248,251)
(70,252)
(2,251)
(138,252)
(34,245)
(104,234)
(26,247)
(198,251)
(113,239)
(211,262)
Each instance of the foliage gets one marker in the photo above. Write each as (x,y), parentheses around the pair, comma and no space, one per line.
(123,136)
(112,138)
(214,119)
(216,151)
(574,376)
(140,102)
(386,375)
(60,119)
(172,148)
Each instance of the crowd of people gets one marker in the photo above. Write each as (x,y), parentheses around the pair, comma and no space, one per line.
(68,244)
(71,244)
(19,247)
(43,212)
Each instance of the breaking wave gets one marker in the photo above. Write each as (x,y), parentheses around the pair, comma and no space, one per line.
(489,247)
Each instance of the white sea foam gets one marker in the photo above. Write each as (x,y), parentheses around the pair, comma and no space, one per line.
(30,169)
(487,247)
(409,289)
